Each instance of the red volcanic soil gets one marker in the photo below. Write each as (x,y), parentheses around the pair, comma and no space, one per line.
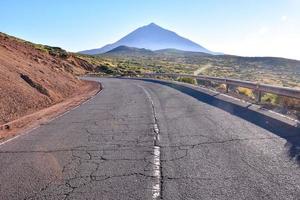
(32,79)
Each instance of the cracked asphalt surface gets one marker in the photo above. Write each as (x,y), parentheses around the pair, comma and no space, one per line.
(107,149)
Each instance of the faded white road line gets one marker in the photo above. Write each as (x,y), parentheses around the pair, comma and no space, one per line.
(156,187)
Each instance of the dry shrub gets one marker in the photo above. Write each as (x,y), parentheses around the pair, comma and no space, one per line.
(291,103)
(221,87)
(245,91)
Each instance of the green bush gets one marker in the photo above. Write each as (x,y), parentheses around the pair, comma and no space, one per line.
(187,80)
(53,51)
(270,98)
(105,69)
(56,51)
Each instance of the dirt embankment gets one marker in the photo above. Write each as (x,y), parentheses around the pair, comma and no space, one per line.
(34,77)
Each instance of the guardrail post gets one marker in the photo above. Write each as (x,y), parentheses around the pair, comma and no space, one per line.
(259,94)
(226,86)
(259,97)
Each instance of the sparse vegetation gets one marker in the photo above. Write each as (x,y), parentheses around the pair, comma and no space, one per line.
(187,80)
(275,71)
(56,51)
(53,51)
(104,69)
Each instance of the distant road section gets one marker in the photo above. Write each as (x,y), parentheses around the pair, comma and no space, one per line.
(148,139)
(202,69)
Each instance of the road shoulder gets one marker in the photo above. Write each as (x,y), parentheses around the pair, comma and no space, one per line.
(34,120)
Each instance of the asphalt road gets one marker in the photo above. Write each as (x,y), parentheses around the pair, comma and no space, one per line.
(154,140)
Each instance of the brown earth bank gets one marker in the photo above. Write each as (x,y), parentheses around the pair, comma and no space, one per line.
(39,117)
(34,77)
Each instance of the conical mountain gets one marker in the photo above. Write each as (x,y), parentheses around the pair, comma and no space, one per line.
(152,37)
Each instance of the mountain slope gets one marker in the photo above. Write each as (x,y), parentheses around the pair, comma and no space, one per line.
(137,52)
(129,51)
(152,37)
(33,77)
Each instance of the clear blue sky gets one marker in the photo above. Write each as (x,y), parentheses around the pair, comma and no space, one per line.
(243,27)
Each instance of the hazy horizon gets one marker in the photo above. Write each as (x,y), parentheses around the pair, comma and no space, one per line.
(257,28)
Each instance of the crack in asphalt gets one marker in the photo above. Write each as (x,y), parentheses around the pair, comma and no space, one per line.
(116,149)
(216,142)
(86,163)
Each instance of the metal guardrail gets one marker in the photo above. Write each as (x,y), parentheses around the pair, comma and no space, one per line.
(259,88)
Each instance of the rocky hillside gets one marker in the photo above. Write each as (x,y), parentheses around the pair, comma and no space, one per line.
(34,76)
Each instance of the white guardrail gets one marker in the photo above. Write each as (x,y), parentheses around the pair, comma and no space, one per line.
(258,87)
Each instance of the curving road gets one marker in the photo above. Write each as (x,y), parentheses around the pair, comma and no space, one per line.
(146,139)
